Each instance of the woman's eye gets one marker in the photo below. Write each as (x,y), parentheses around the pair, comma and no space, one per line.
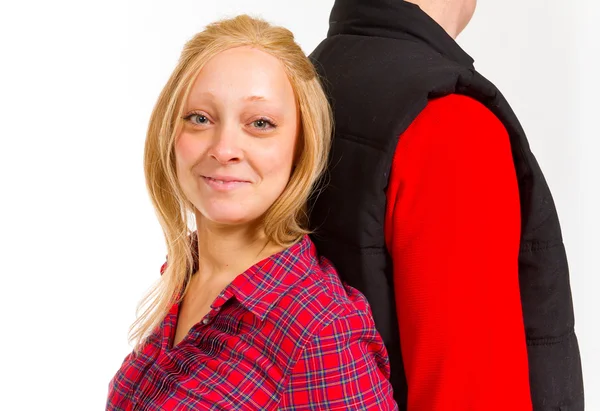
(198,119)
(262,124)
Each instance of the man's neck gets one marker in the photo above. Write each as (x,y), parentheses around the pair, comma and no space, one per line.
(444,13)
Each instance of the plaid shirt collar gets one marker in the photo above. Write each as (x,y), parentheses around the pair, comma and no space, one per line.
(261,286)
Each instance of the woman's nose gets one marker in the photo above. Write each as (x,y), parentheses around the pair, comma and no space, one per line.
(226,147)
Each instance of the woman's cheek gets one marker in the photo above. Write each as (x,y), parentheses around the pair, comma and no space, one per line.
(186,149)
(278,167)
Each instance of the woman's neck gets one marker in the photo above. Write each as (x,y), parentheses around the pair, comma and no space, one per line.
(226,251)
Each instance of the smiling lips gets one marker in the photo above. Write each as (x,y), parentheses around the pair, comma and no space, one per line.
(224,183)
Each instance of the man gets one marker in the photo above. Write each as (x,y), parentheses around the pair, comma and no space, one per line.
(437,210)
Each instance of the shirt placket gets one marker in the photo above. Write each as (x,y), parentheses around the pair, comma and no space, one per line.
(215,307)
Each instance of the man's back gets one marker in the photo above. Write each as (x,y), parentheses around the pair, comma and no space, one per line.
(382,63)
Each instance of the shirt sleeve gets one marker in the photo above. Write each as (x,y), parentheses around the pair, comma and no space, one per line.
(453,230)
(345,367)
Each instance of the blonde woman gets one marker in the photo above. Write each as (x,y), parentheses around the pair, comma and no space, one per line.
(246,316)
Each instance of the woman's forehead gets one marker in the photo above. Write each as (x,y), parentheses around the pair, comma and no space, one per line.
(243,74)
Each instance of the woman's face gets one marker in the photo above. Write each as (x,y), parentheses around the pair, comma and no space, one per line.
(236,148)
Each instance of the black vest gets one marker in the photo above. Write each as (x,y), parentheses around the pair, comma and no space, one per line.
(381,62)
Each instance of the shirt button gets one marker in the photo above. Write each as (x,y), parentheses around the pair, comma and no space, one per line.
(206,320)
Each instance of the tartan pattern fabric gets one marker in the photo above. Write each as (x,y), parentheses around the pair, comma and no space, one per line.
(284,335)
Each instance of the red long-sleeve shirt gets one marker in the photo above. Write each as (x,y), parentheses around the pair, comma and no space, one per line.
(453,228)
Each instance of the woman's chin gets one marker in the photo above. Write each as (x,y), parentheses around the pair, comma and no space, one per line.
(230,218)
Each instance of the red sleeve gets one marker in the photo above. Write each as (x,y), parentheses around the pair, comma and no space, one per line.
(453,229)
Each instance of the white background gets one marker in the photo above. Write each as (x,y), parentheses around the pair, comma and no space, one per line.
(79,240)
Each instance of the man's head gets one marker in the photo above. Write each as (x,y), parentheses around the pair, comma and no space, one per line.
(452,15)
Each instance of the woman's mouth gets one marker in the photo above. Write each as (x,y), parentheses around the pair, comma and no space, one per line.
(224,183)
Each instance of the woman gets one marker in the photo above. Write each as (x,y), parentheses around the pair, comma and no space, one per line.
(246,316)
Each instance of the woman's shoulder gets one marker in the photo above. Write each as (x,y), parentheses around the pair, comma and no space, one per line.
(347,310)
(346,299)
(320,298)
(319,315)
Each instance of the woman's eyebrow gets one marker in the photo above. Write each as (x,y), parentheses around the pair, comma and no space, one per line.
(255,98)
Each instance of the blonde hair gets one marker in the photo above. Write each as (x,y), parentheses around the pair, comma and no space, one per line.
(285,221)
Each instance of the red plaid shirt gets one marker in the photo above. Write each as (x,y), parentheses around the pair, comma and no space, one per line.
(285,334)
